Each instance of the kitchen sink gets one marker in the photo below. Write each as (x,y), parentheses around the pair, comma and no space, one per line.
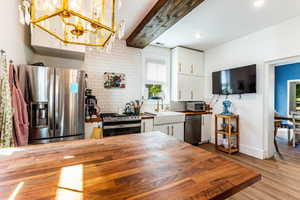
(168,117)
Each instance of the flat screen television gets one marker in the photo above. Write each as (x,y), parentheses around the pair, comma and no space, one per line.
(240,80)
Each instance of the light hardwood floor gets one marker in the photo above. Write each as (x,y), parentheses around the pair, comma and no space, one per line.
(281,176)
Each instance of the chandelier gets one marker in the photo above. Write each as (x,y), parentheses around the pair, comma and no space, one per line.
(80,22)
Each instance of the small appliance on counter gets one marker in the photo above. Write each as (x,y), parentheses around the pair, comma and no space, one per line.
(199,106)
(92,110)
(133,108)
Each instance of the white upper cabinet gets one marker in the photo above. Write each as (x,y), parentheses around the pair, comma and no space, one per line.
(188,62)
(46,44)
(187,75)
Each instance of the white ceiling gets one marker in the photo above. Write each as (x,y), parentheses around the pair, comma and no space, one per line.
(134,11)
(220,21)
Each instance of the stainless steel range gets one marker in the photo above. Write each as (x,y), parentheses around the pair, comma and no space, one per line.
(115,124)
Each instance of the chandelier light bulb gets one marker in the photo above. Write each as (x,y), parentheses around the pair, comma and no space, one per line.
(21,15)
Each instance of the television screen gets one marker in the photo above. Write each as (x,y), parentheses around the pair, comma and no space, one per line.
(235,81)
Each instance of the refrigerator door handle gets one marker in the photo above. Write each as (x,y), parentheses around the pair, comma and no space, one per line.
(51,103)
(59,111)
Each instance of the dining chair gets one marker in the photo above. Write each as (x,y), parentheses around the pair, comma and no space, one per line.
(296,126)
(277,124)
(288,125)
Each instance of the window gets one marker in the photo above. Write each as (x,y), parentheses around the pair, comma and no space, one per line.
(156,79)
(156,72)
(298,97)
(293,95)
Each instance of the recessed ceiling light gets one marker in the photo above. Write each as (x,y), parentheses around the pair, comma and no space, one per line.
(259,3)
(197,35)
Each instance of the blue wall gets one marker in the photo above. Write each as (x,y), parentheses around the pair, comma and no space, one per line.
(282,75)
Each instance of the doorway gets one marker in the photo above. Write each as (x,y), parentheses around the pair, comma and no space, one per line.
(269,100)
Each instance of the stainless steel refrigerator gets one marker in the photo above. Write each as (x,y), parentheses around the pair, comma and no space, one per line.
(56,103)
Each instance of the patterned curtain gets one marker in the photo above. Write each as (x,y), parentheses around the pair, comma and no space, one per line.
(6,113)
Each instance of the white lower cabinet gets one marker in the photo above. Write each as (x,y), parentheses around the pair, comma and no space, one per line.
(178,131)
(162,128)
(206,128)
(175,130)
(147,125)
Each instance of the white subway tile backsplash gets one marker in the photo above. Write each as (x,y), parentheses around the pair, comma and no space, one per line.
(121,60)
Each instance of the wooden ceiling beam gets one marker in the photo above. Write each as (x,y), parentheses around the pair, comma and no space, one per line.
(161,17)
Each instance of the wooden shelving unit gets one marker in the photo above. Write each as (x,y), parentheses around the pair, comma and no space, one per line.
(228,131)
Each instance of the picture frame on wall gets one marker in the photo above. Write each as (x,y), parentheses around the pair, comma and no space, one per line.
(114,80)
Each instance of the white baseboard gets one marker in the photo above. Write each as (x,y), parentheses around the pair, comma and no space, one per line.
(254,152)
(250,151)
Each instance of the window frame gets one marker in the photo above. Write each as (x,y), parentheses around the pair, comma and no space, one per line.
(161,58)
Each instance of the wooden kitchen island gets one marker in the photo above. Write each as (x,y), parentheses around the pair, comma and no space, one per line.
(146,166)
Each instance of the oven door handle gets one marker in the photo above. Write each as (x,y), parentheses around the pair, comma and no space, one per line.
(122,126)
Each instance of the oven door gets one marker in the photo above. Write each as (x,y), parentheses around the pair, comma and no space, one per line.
(121,128)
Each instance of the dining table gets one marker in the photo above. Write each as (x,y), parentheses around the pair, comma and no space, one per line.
(130,167)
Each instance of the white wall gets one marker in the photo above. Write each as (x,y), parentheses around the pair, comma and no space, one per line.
(12,37)
(276,42)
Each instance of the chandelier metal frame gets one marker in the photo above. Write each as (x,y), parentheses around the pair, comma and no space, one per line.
(78,30)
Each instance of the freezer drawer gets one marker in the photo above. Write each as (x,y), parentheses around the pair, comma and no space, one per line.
(192,129)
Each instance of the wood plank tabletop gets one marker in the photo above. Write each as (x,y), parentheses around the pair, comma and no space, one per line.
(143,166)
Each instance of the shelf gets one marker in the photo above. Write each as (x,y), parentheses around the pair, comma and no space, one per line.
(227,116)
(231,150)
(228,120)
(227,133)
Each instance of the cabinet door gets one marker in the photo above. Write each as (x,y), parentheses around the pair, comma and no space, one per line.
(182,88)
(147,125)
(177,131)
(46,44)
(196,86)
(183,60)
(197,63)
(206,128)
(163,128)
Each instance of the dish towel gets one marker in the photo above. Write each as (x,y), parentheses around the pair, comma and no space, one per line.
(20,114)
(6,113)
